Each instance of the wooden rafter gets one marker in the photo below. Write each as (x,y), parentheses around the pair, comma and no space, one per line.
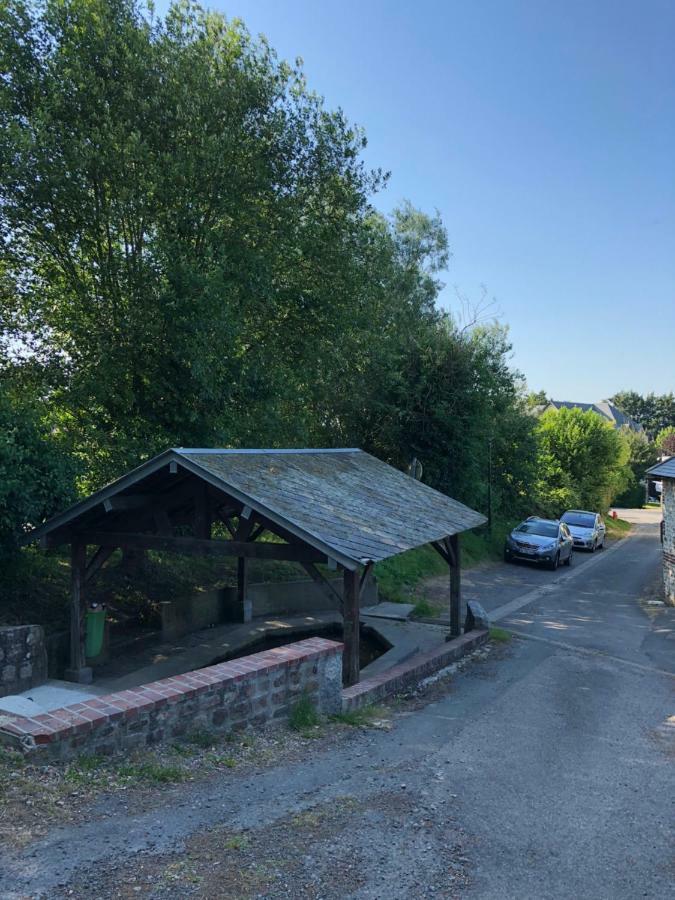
(199,547)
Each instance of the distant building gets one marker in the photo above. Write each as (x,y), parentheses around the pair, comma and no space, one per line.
(604,408)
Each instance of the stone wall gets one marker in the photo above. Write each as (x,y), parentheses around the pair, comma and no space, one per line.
(668,498)
(281,598)
(250,691)
(23,658)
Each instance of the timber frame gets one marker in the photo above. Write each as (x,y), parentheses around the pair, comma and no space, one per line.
(170,506)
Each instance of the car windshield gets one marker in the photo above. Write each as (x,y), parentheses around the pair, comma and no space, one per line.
(580,520)
(545,529)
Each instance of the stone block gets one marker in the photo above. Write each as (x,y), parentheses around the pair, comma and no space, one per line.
(476,617)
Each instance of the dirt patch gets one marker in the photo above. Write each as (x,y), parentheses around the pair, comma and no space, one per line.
(328,851)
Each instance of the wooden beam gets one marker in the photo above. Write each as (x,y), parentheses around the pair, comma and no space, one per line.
(325,585)
(98,560)
(130,501)
(452,544)
(78,561)
(244,604)
(197,547)
(202,516)
(442,551)
(365,577)
(257,531)
(350,618)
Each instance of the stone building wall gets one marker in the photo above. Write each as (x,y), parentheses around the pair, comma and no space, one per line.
(669,539)
(23,658)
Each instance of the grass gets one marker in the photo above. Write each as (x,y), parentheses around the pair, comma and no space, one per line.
(303,716)
(236,842)
(617,528)
(359,718)
(153,772)
(500,635)
(397,577)
(423,610)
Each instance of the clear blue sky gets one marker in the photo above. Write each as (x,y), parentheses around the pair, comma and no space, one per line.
(544,132)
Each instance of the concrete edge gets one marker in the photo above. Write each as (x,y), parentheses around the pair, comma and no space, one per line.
(408,674)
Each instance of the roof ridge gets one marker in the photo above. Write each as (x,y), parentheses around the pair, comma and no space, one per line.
(252,450)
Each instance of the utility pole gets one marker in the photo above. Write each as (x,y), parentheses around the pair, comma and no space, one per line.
(489,488)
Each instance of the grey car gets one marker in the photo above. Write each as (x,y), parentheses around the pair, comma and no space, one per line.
(587,528)
(538,540)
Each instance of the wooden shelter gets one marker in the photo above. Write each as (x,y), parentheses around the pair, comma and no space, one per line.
(341,508)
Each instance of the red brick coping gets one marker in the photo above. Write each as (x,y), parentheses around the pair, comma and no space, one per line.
(248,690)
(413,670)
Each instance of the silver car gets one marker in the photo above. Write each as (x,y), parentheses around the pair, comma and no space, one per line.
(588,529)
(540,540)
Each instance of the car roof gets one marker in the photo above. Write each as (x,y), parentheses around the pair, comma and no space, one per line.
(541,519)
(582,512)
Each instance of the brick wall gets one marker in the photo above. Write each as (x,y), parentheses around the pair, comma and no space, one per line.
(669,539)
(23,658)
(250,691)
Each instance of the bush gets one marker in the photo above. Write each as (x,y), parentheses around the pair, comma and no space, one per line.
(37,477)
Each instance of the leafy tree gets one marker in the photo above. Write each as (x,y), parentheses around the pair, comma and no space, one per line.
(653,411)
(582,461)
(642,455)
(536,398)
(665,440)
(180,221)
(36,473)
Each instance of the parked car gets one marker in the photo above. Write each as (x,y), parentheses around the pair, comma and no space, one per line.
(588,529)
(540,540)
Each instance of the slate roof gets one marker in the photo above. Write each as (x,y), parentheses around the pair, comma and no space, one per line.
(604,408)
(665,469)
(344,502)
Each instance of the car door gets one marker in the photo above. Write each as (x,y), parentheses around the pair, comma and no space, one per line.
(601,529)
(566,541)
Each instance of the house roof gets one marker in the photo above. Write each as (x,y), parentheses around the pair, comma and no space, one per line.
(663,469)
(604,408)
(344,502)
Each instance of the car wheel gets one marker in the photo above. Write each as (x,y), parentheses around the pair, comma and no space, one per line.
(507,557)
(594,547)
(553,565)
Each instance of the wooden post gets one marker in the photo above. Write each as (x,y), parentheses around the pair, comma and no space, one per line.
(350,617)
(455,585)
(77,671)
(244,605)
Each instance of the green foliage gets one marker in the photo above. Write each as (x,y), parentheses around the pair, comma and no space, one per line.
(36,474)
(361,717)
(582,461)
(617,528)
(399,574)
(500,635)
(303,715)
(665,440)
(152,772)
(642,455)
(653,411)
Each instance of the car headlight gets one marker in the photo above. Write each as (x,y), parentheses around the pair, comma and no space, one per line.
(547,547)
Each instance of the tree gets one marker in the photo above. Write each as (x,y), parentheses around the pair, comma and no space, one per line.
(654,411)
(665,440)
(582,461)
(37,476)
(180,222)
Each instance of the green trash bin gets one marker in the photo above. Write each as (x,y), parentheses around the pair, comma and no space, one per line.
(95,631)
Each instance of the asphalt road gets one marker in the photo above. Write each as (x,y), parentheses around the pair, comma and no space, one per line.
(543,771)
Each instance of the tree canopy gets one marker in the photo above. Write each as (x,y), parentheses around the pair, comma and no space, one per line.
(582,461)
